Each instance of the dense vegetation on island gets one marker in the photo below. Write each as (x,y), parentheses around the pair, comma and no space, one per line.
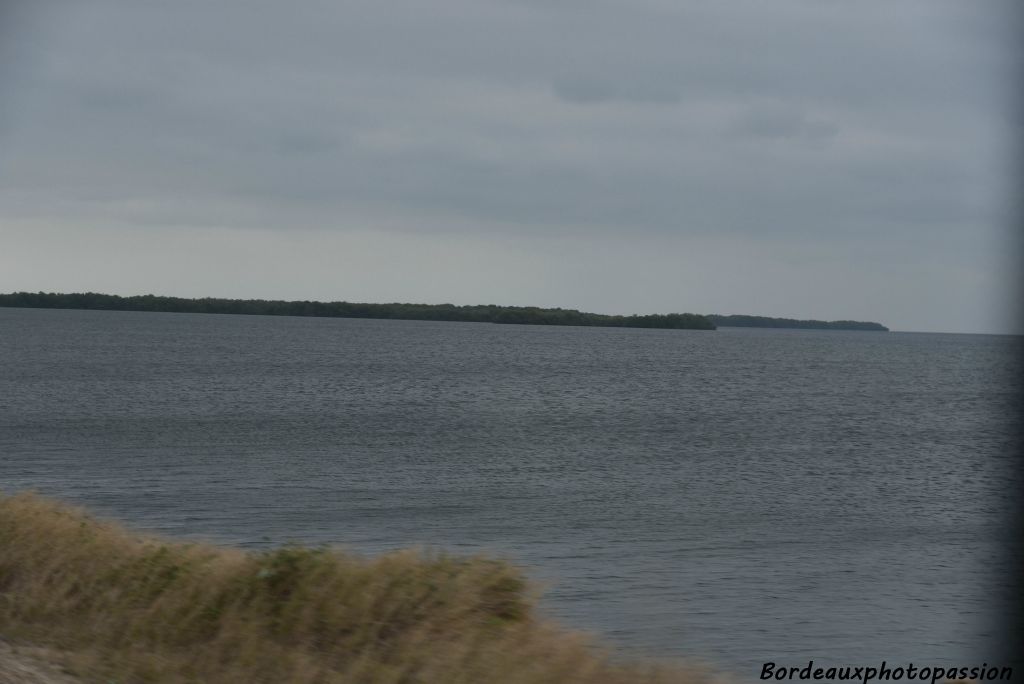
(489,313)
(481,313)
(112,606)
(767,322)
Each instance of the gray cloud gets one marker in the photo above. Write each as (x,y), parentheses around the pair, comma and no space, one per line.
(781,122)
(633,88)
(820,124)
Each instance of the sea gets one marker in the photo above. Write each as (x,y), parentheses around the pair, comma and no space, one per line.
(733,497)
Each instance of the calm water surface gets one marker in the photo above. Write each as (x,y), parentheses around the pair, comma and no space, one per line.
(738,496)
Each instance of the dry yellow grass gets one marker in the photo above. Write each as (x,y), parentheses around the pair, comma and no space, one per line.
(128,609)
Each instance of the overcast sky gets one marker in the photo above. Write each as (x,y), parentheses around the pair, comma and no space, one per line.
(802,158)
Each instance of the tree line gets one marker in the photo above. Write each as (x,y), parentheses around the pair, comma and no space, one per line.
(486,313)
(742,321)
(489,313)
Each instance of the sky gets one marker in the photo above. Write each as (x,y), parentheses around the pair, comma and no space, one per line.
(797,158)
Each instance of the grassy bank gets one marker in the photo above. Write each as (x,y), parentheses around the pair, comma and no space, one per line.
(124,608)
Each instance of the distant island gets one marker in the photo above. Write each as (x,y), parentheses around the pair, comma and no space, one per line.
(489,313)
(742,321)
(485,313)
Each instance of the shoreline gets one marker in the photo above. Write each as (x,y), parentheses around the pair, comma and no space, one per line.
(478,313)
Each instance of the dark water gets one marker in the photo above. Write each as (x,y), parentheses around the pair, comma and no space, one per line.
(739,495)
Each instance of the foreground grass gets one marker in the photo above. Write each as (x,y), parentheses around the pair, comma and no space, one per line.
(129,609)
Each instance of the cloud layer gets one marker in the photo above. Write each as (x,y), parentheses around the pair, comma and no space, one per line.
(796,158)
